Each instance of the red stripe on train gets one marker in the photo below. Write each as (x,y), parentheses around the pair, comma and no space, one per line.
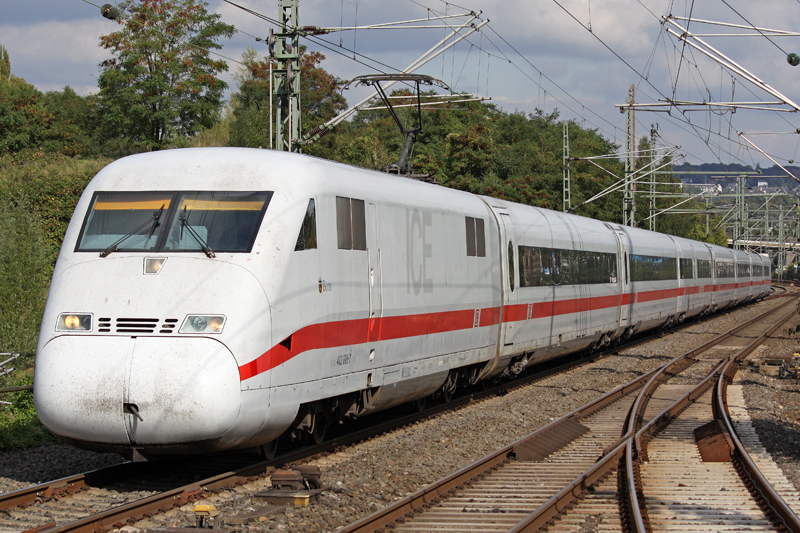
(352,332)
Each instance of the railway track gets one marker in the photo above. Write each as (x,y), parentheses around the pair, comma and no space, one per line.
(562,477)
(104,499)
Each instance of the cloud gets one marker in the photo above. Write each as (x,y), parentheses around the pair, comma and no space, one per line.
(53,54)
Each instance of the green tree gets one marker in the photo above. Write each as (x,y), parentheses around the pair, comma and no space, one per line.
(5,64)
(162,82)
(320,92)
(24,121)
(75,124)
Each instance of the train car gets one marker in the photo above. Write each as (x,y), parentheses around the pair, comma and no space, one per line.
(216,299)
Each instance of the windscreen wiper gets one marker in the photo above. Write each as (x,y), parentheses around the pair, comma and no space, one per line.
(203,244)
(152,220)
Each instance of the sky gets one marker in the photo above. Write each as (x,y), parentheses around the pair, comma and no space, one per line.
(575,56)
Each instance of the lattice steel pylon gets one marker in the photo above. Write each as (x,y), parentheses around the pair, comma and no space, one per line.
(628,199)
(567,190)
(285,49)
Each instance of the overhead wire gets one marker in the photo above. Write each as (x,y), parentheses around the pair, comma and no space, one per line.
(752,26)
(683,119)
(332,47)
(505,58)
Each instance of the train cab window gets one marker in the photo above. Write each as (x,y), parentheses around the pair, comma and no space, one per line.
(476,237)
(687,269)
(222,221)
(307,239)
(113,215)
(511,265)
(351,225)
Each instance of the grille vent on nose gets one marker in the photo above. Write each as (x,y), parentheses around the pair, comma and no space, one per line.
(145,325)
(136,325)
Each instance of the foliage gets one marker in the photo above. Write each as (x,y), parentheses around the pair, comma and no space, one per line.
(50,185)
(5,64)
(24,121)
(54,122)
(20,428)
(26,261)
(162,81)
(321,99)
(75,123)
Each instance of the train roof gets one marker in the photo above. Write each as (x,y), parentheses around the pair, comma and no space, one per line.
(227,168)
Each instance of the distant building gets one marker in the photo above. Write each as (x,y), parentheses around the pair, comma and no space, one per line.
(712,189)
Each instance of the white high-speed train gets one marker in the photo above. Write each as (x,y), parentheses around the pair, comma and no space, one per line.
(213,299)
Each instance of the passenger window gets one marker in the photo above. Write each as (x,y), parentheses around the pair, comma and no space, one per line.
(307,239)
(351,226)
(476,237)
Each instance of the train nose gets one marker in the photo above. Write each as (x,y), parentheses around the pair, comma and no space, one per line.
(136,391)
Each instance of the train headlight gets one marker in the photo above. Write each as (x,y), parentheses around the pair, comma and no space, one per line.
(203,324)
(199,323)
(152,265)
(74,322)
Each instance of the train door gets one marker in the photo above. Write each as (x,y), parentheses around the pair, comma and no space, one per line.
(626,298)
(582,292)
(682,299)
(510,278)
(620,278)
(375,280)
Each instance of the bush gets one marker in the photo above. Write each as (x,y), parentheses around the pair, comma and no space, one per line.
(26,265)
(51,184)
(19,426)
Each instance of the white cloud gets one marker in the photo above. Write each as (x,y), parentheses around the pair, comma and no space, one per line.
(53,54)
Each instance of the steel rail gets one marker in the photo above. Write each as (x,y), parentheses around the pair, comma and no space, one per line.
(637,448)
(761,488)
(623,449)
(427,494)
(637,445)
(63,486)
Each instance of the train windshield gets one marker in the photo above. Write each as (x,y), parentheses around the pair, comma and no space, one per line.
(173,221)
(224,221)
(114,216)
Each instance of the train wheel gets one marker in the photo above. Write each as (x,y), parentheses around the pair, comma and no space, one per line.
(420,404)
(447,395)
(318,435)
(269,450)
(449,387)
